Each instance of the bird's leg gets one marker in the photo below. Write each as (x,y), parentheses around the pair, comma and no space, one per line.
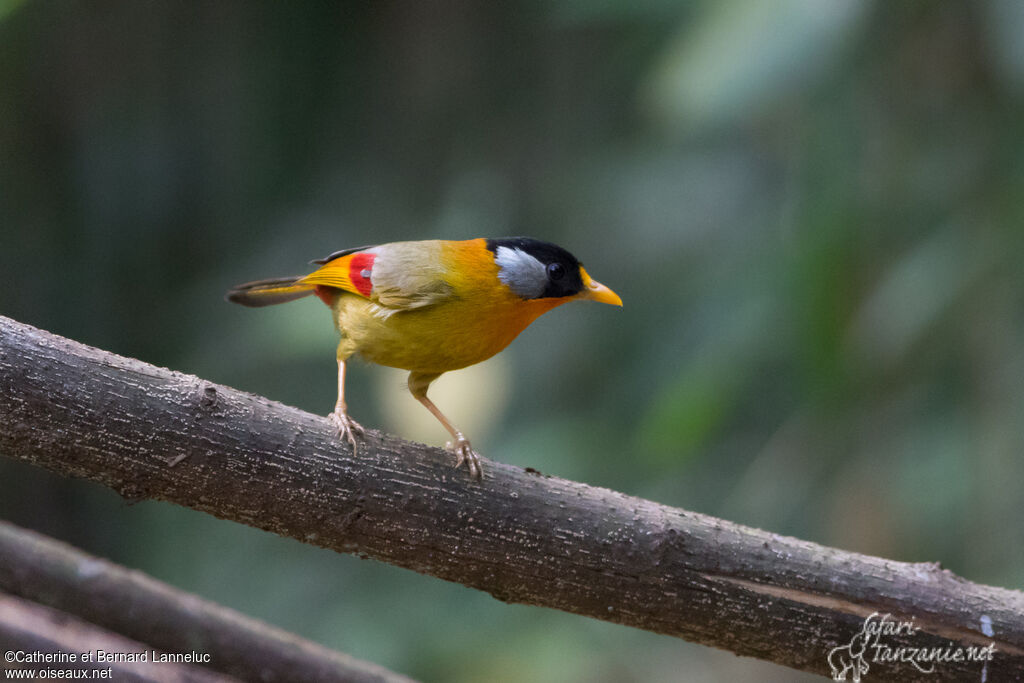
(346,426)
(464,453)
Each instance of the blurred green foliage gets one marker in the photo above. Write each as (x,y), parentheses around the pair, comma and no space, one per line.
(812,211)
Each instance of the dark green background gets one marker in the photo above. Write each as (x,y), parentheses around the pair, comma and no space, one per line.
(812,211)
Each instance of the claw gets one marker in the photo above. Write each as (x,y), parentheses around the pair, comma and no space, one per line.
(347,428)
(464,454)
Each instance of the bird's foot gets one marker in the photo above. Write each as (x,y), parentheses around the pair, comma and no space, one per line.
(347,428)
(464,454)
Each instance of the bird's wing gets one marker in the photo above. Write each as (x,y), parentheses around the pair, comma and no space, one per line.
(399,276)
(339,254)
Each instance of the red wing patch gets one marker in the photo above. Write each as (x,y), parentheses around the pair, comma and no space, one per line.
(359,270)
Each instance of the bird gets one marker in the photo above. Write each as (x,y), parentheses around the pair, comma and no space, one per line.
(432,306)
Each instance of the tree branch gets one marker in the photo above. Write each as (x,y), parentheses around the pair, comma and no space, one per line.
(152,433)
(150,613)
(30,628)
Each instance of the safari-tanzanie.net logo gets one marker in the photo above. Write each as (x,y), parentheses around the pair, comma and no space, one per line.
(870,646)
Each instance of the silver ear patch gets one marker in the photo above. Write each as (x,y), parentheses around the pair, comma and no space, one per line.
(522,273)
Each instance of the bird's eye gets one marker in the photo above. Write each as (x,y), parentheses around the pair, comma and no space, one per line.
(556,271)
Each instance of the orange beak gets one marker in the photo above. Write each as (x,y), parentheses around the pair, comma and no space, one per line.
(595,291)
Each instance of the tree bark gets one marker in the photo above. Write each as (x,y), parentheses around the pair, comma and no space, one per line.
(521,536)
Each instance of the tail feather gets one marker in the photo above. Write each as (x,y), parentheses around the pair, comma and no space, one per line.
(269,292)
